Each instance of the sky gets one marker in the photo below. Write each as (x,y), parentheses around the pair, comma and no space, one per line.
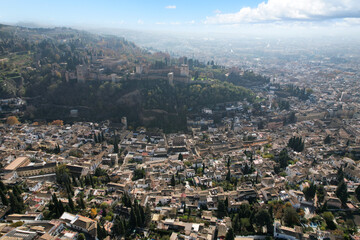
(228,16)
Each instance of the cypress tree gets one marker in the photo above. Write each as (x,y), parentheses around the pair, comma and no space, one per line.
(142,215)
(173,181)
(147,218)
(81,203)
(71,204)
(133,220)
(2,186)
(4,199)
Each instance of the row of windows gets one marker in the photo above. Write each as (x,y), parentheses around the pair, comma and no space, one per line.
(36,172)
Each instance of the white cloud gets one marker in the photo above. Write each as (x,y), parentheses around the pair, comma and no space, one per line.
(217,11)
(171,7)
(140,22)
(290,10)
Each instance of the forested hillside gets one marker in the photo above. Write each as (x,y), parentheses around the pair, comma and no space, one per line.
(34,64)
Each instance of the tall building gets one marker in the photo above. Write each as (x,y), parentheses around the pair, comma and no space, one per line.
(184,70)
(124,121)
(81,72)
(171,78)
(139,69)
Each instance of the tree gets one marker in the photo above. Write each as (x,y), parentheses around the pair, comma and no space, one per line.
(71,204)
(12,120)
(147,218)
(290,217)
(180,157)
(133,220)
(62,175)
(138,174)
(228,176)
(4,199)
(327,140)
(292,118)
(57,122)
(2,186)
(173,182)
(296,143)
(222,211)
(230,235)
(341,192)
(340,175)
(329,219)
(310,192)
(357,193)
(93,212)
(116,145)
(81,203)
(101,232)
(16,202)
(81,236)
(284,158)
(262,218)
(320,192)
(119,226)
(228,161)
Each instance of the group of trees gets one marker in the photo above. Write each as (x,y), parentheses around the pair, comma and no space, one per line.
(283,159)
(247,79)
(56,208)
(283,104)
(302,94)
(138,174)
(291,118)
(16,201)
(12,120)
(63,177)
(116,144)
(139,217)
(296,143)
(310,192)
(99,138)
(327,139)
(247,219)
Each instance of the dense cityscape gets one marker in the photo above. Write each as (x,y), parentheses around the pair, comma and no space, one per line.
(133,135)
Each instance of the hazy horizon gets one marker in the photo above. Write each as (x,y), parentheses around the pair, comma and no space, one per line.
(270,18)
